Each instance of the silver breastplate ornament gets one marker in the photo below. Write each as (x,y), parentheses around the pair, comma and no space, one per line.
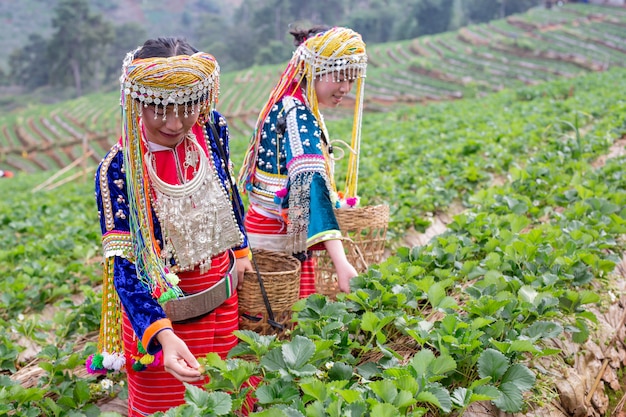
(197,219)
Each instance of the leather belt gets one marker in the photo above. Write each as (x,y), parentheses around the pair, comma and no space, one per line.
(190,307)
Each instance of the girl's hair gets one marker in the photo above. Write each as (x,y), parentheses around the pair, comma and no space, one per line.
(164,48)
(301,35)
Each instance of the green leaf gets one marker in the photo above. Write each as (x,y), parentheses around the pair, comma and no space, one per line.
(443,364)
(46,366)
(195,395)
(523,346)
(278,391)
(404,399)
(239,372)
(280,412)
(385,410)
(436,395)
(221,403)
(297,353)
(527,293)
(66,402)
(492,363)
(582,333)
(519,375)
(82,392)
(510,399)
(461,397)
(340,371)
(407,383)
(273,360)
(315,389)
(542,330)
(488,390)
(588,297)
(214,360)
(350,395)
(421,360)
(385,389)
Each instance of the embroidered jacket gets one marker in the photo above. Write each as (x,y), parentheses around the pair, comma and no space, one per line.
(144,312)
(292,175)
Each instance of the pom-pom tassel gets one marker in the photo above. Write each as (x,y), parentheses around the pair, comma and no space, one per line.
(93,364)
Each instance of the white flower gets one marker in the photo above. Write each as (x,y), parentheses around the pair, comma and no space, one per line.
(106,384)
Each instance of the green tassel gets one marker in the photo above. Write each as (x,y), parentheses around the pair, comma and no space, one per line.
(96,361)
(138,366)
(167,295)
(140,348)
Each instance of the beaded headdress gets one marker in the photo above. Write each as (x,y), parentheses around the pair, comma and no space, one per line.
(337,51)
(189,83)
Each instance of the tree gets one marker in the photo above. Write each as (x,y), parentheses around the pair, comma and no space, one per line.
(128,36)
(375,23)
(29,65)
(434,16)
(76,48)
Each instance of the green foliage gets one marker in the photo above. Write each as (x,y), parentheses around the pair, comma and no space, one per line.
(433,328)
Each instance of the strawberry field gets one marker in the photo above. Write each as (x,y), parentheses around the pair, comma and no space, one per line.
(503,291)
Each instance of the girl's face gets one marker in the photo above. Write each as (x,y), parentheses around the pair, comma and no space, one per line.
(171,131)
(331,90)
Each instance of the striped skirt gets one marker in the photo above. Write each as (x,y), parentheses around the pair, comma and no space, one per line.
(258,223)
(155,389)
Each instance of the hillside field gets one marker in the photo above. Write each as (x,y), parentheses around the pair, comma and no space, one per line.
(499,150)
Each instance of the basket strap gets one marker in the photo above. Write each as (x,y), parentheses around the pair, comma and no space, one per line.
(357,250)
(266,300)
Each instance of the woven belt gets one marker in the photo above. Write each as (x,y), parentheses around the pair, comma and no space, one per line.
(196,305)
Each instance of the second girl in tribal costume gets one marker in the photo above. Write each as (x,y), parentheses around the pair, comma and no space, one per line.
(288,170)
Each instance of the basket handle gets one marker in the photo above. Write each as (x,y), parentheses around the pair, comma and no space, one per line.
(266,300)
(357,250)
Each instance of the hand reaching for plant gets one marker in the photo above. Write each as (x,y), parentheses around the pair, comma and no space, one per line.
(177,358)
(345,270)
(344,274)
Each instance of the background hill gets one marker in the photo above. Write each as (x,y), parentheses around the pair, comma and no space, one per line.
(521,50)
(21,18)
(76,46)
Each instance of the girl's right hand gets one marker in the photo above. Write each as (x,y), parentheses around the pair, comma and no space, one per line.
(177,358)
(345,272)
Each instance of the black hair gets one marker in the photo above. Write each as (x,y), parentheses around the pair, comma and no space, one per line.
(301,35)
(164,48)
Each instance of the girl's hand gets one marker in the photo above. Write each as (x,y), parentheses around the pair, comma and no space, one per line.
(243,264)
(177,358)
(345,270)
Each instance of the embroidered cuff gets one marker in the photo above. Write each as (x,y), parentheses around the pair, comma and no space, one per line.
(149,341)
(323,237)
(241,253)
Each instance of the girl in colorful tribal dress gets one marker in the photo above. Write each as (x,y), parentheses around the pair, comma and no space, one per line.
(173,236)
(288,168)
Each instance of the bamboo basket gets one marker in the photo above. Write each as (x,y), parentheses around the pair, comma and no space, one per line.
(364,232)
(281,278)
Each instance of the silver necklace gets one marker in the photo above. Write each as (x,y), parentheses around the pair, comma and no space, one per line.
(196,217)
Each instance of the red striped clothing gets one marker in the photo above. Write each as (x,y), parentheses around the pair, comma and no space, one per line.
(255,222)
(154,389)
